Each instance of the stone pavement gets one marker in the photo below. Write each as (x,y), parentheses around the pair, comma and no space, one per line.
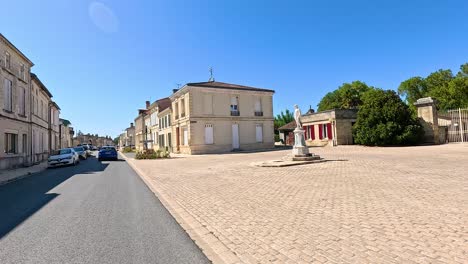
(364,205)
(15,174)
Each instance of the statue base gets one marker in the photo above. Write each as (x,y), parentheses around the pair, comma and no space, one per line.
(300,150)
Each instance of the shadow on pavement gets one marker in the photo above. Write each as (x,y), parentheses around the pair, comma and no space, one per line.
(21,199)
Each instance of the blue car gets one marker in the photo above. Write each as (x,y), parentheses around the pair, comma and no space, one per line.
(107,153)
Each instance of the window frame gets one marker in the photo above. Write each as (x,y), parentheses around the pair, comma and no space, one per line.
(10,139)
(8,95)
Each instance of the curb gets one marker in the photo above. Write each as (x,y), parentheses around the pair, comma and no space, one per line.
(21,177)
(210,245)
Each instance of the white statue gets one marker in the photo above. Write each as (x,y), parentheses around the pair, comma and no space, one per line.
(297,116)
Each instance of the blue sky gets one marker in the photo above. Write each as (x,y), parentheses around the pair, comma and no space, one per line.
(111,56)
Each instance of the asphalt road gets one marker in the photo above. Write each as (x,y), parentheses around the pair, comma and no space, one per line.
(96,212)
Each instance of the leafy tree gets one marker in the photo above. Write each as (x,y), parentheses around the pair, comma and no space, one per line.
(283,118)
(347,96)
(116,140)
(451,91)
(413,89)
(384,119)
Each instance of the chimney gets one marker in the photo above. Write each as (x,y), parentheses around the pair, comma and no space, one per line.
(131,124)
(175,90)
(148,104)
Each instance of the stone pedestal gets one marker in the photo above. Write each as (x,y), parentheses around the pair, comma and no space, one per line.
(300,150)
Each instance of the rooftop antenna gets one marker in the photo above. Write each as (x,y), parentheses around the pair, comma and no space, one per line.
(178,85)
(211,75)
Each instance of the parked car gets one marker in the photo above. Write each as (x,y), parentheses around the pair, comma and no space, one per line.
(81,152)
(66,156)
(107,152)
(88,151)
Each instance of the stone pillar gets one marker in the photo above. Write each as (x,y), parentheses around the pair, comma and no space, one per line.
(427,113)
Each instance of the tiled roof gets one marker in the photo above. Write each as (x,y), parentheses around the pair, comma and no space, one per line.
(43,87)
(163,103)
(289,126)
(221,85)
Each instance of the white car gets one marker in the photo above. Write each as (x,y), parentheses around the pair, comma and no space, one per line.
(66,156)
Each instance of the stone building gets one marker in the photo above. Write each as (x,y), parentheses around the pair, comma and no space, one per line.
(129,138)
(165,129)
(66,133)
(54,131)
(213,117)
(325,128)
(15,109)
(139,129)
(41,100)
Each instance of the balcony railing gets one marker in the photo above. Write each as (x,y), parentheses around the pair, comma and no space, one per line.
(235,113)
(258,113)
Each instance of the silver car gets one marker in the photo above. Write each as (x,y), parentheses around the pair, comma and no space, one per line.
(81,152)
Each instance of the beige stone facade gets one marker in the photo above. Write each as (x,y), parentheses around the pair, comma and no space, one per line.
(214,117)
(54,130)
(331,127)
(40,101)
(15,110)
(165,130)
(139,125)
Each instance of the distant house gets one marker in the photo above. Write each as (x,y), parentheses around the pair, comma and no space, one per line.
(326,128)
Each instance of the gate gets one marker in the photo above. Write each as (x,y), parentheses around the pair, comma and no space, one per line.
(455,123)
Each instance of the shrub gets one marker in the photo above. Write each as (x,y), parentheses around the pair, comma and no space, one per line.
(384,119)
(151,154)
(127,149)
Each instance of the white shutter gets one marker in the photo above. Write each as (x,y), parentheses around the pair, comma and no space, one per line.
(258,105)
(259,132)
(233,100)
(8,95)
(185,137)
(208,134)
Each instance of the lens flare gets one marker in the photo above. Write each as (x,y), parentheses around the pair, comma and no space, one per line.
(103,17)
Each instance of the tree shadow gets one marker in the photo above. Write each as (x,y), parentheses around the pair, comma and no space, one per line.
(20,199)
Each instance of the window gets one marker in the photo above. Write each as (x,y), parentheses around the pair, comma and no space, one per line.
(324,131)
(11,142)
(234,106)
(25,143)
(8,99)
(22,72)
(259,132)
(209,134)
(22,101)
(7,60)
(182,107)
(258,107)
(169,141)
(169,120)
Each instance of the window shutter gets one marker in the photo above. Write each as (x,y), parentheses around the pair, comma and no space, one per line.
(329,130)
(305,132)
(320,131)
(312,132)
(258,105)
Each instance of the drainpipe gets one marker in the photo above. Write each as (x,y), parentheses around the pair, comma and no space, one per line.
(461,125)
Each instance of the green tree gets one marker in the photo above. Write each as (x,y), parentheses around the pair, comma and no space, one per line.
(347,96)
(384,119)
(283,118)
(116,140)
(413,89)
(449,90)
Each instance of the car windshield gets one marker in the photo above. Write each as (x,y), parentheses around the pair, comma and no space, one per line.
(107,148)
(64,151)
(79,149)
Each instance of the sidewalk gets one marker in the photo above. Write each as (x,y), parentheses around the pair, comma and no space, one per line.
(7,176)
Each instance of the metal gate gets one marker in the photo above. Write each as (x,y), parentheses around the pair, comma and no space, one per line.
(456,124)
